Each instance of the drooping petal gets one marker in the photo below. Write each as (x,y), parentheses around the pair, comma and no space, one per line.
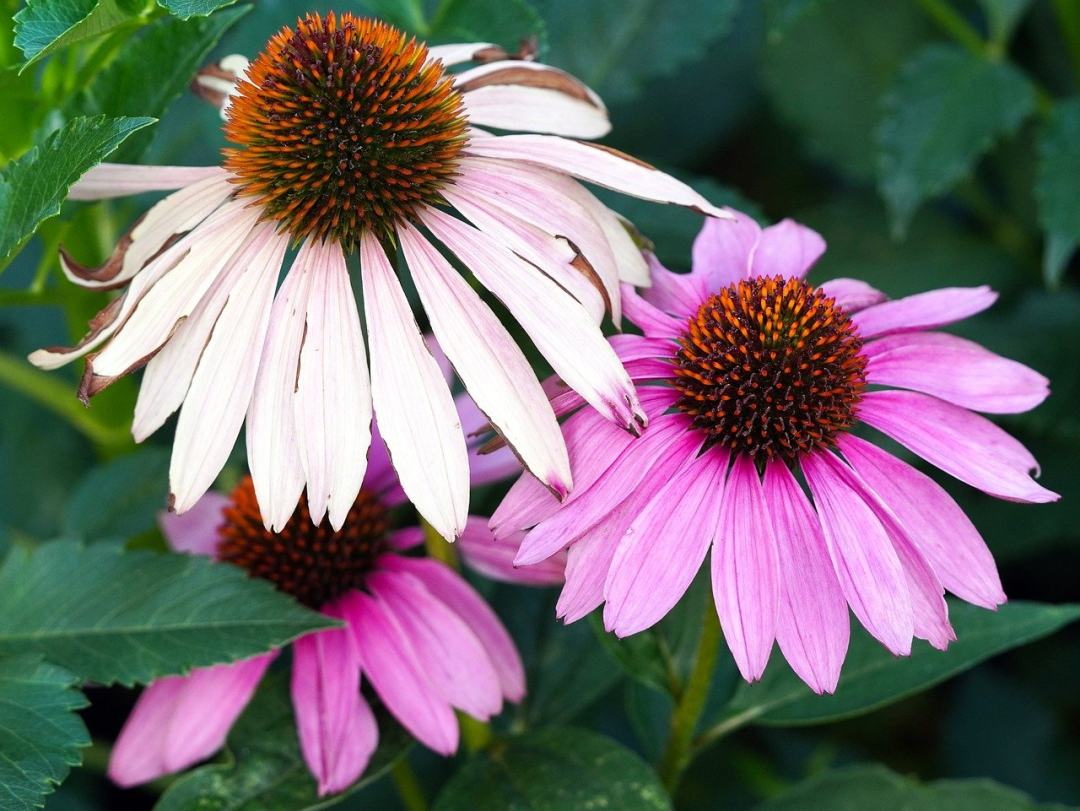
(863,557)
(745,575)
(929,310)
(495,558)
(786,249)
(332,404)
(485,465)
(596,164)
(961,443)
(449,587)
(465,52)
(336,727)
(812,625)
(956,370)
(413,405)
(397,675)
(851,295)
(557,324)
(662,551)
(456,662)
(180,720)
(222,386)
(935,523)
(108,180)
(196,531)
(723,250)
(654,322)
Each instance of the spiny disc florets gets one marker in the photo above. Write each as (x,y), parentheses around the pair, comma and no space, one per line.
(315,564)
(344,124)
(770,367)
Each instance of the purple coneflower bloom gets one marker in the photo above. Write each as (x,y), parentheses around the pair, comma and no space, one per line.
(420,635)
(351,136)
(754,380)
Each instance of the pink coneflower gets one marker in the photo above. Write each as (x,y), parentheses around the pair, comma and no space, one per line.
(424,640)
(754,380)
(349,135)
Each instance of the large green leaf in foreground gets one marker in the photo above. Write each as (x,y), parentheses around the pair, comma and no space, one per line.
(115,616)
(44,26)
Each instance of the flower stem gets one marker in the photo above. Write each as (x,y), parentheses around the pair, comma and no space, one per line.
(952,23)
(691,703)
(409,790)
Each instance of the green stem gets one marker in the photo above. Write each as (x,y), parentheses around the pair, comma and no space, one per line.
(57,396)
(691,703)
(1068,14)
(409,790)
(724,728)
(952,23)
(475,734)
(437,546)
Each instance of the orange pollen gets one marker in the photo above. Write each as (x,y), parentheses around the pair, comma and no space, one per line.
(770,367)
(344,124)
(315,564)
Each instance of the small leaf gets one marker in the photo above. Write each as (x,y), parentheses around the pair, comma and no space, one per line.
(1058,187)
(878,788)
(33,187)
(504,22)
(170,50)
(47,25)
(614,46)
(946,109)
(114,616)
(40,732)
(120,498)
(193,8)
(872,677)
(553,770)
(265,770)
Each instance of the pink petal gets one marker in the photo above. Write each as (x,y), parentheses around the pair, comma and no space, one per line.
(961,443)
(493,369)
(933,521)
(852,295)
(398,676)
(180,720)
(416,413)
(123,179)
(528,96)
(451,589)
(786,249)
(337,729)
(723,250)
(196,531)
(664,547)
(812,624)
(744,570)
(680,293)
(495,558)
(934,308)
(655,323)
(866,565)
(457,664)
(956,370)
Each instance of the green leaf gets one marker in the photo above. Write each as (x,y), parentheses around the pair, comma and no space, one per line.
(876,787)
(264,769)
(33,187)
(170,50)
(40,732)
(615,45)
(193,8)
(114,616)
(504,22)
(44,26)
(120,498)
(872,677)
(1002,17)
(571,672)
(553,770)
(946,109)
(826,64)
(1057,187)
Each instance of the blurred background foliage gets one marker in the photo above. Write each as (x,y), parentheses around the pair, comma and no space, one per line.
(932,142)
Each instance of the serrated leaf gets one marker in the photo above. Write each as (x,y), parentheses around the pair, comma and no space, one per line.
(185,9)
(876,787)
(615,45)
(504,22)
(44,26)
(553,770)
(1057,188)
(946,109)
(265,771)
(40,731)
(854,49)
(120,498)
(172,51)
(872,677)
(33,187)
(115,616)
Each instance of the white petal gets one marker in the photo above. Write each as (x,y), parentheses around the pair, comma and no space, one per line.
(415,411)
(122,179)
(462,52)
(553,108)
